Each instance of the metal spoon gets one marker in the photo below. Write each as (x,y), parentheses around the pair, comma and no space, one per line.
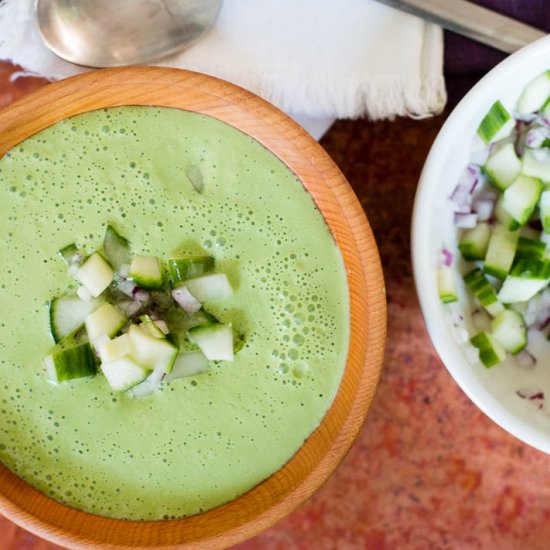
(486,26)
(113,33)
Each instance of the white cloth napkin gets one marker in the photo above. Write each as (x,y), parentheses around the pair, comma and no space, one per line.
(316,59)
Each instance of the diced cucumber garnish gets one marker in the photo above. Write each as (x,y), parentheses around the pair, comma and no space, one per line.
(496,124)
(544,206)
(446,285)
(500,252)
(149,326)
(106,319)
(116,247)
(209,287)
(482,289)
(520,199)
(526,279)
(473,243)
(70,360)
(509,330)
(490,351)
(214,340)
(503,166)
(182,269)
(187,364)
(146,272)
(535,94)
(123,373)
(115,349)
(95,274)
(71,254)
(504,217)
(150,352)
(535,167)
(529,249)
(67,313)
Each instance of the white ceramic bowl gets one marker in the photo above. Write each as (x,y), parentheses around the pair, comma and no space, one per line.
(492,390)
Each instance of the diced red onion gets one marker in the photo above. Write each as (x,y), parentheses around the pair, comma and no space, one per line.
(141,295)
(124,271)
(130,307)
(127,287)
(535,136)
(465,221)
(530,392)
(446,257)
(484,209)
(526,360)
(186,300)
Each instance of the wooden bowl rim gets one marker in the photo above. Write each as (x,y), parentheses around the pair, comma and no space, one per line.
(313,463)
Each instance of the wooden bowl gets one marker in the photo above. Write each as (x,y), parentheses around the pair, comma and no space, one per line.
(326,447)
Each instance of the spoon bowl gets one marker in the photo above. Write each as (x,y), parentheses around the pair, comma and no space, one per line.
(115,33)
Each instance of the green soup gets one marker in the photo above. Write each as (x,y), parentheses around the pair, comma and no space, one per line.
(199,441)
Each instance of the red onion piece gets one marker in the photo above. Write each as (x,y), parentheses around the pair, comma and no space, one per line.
(141,295)
(465,221)
(127,287)
(535,136)
(526,360)
(484,209)
(446,257)
(530,392)
(186,300)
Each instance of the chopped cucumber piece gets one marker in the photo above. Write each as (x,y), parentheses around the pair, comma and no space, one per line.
(70,360)
(67,313)
(535,94)
(214,340)
(148,386)
(187,364)
(182,269)
(504,217)
(520,199)
(536,167)
(146,272)
(116,247)
(209,287)
(490,351)
(482,289)
(473,243)
(95,274)
(180,322)
(544,206)
(503,166)
(123,373)
(71,254)
(529,249)
(500,252)
(446,285)
(509,330)
(526,279)
(106,319)
(149,326)
(115,349)
(496,124)
(151,353)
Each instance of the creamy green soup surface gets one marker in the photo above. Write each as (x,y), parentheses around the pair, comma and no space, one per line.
(199,441)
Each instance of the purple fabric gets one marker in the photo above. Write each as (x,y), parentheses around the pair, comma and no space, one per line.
(467,61)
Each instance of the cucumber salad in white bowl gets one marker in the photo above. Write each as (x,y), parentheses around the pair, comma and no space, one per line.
(481,244)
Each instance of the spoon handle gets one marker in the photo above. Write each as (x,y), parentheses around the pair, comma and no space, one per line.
(486,26)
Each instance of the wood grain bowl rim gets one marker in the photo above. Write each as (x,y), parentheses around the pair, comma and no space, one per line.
(313,463)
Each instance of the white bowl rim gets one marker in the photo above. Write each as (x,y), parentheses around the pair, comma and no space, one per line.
(445,345)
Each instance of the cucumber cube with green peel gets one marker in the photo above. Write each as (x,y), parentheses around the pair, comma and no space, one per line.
(182,269)
(544,205)
(527,278)
(115,349)
(529,249)
(116,247)
(446,285)
(473,242)
(71,254)
(106,319)
(490,351)
(535,94)
(504,217)
(496,124)
(509,330)
(503,166)
(187,364)
(149,326)
(70,360)
(520,199)
(482,289)
(123,373)
(214,340)
(146,272)
(209,287)
(150,352)
(500,252)
(536,167)
(95,274)
(68,313)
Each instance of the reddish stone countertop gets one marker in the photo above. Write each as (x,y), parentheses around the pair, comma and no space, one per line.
(428,470)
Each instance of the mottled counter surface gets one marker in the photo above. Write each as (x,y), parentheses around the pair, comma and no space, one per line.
(428,470)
